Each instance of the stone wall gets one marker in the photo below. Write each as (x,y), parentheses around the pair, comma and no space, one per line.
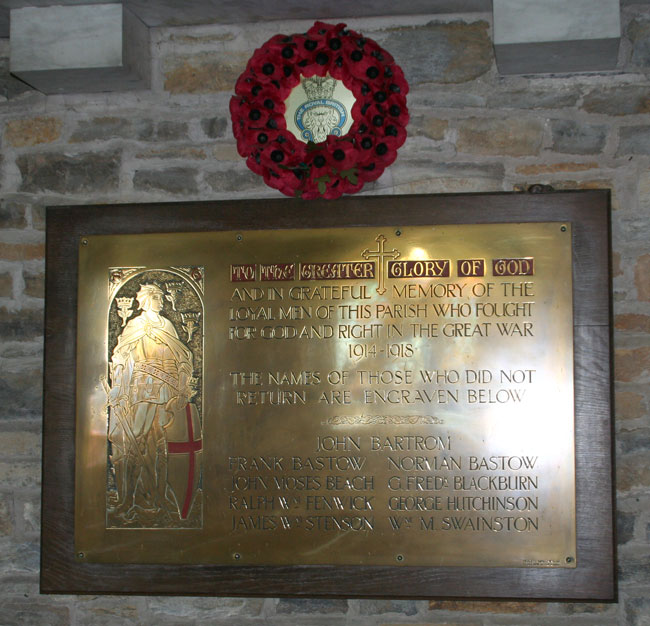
(471,131)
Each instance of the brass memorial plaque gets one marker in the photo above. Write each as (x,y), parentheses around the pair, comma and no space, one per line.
(377,396)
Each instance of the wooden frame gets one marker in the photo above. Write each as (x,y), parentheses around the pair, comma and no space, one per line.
(592,579)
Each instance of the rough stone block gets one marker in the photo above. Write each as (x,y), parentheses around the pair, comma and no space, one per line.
(633,140)
(643,191)
(620,100)
(21,325)
(296,606)
(34,131)
(19,560)
(560,98)
(174,180)
(38,216)
(173,152)
(31,516)
(642,277)
(431,127)
(23,584)
(21,251)
(205,72)
(451,52)
(420,175)
(20,475)
(379,607)
(108,611)
(20,349)
(624,527)
(6,514)
(462,97)
(499,137)
(581,608)
(20,440)
(21,393)
(617,270)
(12,214)
(634,569)
(638,32)
(554,168)
(6,285)
(637,611)
(578,138)
(631,364)
(31,612)
(62,173)
(105,128)
(636,440)
(226,152)
(171,131)
(234,181)
(34,284)
(202,610)
(629,405)
(214,127)
(632,322)
(632,471)
(603,183)
(478,606)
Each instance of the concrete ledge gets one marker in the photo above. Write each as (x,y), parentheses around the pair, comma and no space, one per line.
(80,49)
(557,56)
(556,36)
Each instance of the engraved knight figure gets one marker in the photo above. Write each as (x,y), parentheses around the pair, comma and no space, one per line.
(320,116)
(151,371)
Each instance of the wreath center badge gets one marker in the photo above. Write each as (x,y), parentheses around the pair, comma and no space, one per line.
(320,114)
(315,111)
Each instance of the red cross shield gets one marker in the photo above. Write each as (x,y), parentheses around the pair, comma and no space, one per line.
(184,447)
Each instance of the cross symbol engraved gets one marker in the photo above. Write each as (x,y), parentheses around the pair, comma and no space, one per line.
(380,254)
(191,447)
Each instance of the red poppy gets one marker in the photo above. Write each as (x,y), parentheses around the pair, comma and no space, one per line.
(319,30)
(343,153)
(394,136)
(371,172)
(280,179)
(397,82)
(255,165)
(333,190)
(319,163)
(347,184)
(358,63)
(382,56)
(259,137)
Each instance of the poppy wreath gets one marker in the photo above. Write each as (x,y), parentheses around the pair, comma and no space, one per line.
(340,164)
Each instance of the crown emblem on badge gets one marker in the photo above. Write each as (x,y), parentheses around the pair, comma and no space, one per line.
(319,87)
(320,115)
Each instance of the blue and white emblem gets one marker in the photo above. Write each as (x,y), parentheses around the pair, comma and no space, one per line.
(321,115)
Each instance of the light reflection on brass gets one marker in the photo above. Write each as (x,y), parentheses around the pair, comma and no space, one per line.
(154,436)
(419,413)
